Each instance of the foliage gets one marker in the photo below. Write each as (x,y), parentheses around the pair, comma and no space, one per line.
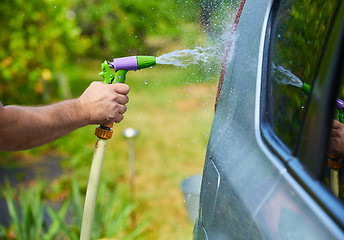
(41,37)
(121,27)
(38,38)
(304,34)
(28,221)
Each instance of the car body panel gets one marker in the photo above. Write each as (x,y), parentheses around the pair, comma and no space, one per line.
(247,192)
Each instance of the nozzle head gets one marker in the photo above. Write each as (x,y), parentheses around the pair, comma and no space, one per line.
(133,63)
(145,61)
(125,63)
(306,88)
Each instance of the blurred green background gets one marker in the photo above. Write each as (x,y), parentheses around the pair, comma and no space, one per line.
(39,39)
(51,50)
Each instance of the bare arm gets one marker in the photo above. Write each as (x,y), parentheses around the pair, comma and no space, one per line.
(27,127)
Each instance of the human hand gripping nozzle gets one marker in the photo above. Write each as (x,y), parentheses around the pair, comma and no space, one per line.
(121,67)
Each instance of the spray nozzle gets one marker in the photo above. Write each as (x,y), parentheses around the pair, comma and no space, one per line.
(306,88)
(123,65)
(132,63)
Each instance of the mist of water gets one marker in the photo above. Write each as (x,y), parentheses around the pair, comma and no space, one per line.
(284,76)
(216,20)
(183,58)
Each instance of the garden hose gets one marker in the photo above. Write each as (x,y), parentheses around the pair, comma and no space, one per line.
(92,188)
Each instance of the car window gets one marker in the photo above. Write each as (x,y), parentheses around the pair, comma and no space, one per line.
(299,36)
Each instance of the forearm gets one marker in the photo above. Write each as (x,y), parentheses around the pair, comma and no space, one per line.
(27,127)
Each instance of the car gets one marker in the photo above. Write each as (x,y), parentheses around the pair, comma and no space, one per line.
(266,172)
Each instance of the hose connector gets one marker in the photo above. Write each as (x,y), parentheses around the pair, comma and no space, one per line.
(103,132)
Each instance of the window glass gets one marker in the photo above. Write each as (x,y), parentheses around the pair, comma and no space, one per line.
(301,28)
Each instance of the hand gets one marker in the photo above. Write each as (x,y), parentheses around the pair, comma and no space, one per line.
(104,103)
(336,143)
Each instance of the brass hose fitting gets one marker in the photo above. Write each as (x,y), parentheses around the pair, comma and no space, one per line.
(103,132)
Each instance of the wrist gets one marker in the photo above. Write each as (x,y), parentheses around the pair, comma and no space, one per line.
(83,109)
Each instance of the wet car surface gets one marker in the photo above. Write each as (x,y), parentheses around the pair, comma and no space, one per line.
(266,174)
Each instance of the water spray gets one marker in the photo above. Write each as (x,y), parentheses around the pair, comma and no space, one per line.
(121,66)
(333,162)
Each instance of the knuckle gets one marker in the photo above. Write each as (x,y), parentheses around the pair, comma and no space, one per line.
(119,118)
(122,88)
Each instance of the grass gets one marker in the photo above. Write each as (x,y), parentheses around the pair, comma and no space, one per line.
(173,110)
(27,208)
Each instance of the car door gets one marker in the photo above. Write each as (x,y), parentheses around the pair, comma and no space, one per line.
(265,172)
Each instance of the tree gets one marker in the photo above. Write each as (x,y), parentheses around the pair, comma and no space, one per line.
(38,37)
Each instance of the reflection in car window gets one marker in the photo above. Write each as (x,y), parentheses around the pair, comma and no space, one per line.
(333,172)
(301,28)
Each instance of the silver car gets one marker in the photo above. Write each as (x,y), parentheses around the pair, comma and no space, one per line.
(267,173)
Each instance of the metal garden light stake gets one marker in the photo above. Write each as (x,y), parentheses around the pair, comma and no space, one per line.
(130,134)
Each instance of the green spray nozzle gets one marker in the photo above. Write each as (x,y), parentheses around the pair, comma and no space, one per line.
(339,110)
(123,65)
(145,61)
(306,88)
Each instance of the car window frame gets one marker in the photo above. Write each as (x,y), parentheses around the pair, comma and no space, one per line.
(266,123)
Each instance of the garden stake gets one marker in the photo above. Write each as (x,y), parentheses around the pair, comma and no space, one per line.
(130,134)
(103,133)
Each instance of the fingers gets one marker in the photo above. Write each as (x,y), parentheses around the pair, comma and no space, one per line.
(337,129)
(104,103)
(122,91)
(122,109)
(336,141)
(336,124)
(117,113)
(122,99)
(121,88)
(119,118)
